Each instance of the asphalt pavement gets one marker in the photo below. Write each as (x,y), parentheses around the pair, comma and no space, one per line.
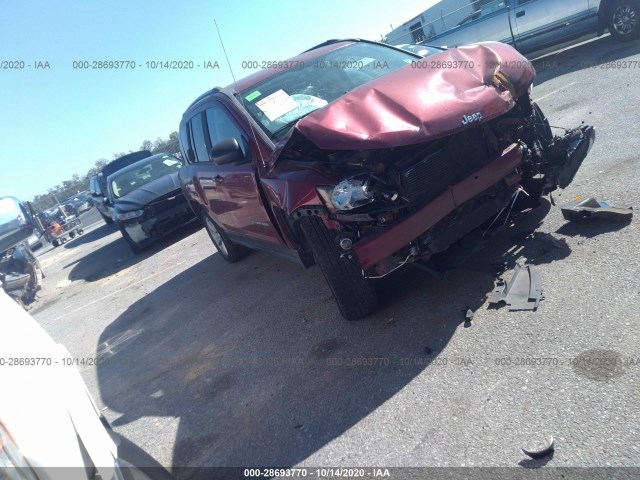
(203,363)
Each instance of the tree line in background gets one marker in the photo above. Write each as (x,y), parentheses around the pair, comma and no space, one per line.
(79,183)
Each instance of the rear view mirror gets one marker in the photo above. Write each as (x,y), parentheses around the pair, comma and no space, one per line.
(227,151)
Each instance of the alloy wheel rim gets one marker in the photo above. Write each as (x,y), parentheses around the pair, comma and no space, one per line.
(624,19)
(217,238)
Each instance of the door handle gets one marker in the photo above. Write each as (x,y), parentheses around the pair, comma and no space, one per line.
(520,14)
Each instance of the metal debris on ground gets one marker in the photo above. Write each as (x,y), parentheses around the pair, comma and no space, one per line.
(582,211)
(543,452)
(522,292)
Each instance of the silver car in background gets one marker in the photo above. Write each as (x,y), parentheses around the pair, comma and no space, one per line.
(528,25)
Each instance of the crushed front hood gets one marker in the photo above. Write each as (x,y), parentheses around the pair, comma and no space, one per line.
(414,105)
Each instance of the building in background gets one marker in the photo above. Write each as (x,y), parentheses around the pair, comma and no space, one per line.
(443,16)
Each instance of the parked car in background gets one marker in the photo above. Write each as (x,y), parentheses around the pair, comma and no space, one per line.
(50,427)
(98,183)
(147,200)
(80,202)
(361,158)
(534,25)
(36,241)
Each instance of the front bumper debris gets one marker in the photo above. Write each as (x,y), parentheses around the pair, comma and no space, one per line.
(522,292)
(371,250)
(582,211)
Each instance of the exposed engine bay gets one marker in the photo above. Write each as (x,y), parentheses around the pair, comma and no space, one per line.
(379,188)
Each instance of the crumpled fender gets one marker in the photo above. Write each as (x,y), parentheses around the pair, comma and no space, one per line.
(413,105)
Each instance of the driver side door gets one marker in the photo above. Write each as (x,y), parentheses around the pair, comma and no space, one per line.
(230,191)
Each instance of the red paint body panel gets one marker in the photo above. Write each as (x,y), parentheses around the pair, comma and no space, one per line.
(370,251)
(414,105)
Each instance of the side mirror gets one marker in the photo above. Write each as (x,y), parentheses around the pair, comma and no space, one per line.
(105,201)
(227,151)
(16,223)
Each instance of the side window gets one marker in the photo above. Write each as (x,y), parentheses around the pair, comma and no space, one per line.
(198,141)
(221,127)
(184,140)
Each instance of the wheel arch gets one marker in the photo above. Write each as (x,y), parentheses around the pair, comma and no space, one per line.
(605,6)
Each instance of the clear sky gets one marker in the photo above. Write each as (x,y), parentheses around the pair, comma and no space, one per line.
(58,121)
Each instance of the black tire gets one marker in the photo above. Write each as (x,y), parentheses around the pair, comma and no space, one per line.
(107,220)
(80,231)
(72,234)
(623,20)
(55,243)
(133,459)
(136,248)
(355,296)
(228,250)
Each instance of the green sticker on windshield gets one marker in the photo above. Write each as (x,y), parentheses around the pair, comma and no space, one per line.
(252,96)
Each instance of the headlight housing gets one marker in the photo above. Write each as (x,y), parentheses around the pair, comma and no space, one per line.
(350,194)
(129,215)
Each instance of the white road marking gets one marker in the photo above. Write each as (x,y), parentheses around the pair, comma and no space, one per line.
(554,92)
(113,293)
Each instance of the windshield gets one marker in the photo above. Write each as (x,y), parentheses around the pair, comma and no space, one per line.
(130,180)
(280,101)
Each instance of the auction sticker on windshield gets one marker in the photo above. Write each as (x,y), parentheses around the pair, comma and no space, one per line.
(276,105)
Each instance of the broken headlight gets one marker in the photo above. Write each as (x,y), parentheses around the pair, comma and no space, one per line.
(350,194)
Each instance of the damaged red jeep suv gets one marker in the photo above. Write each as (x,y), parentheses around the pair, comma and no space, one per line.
(362,158)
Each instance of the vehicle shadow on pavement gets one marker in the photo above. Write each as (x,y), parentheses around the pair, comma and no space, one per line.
(601,53)
(259,367)
(116,256)
(102,231)
(263,371)
(591,229)
(524,242)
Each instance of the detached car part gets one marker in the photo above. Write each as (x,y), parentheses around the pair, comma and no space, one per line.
(582,211)
(522,292)
(543,452)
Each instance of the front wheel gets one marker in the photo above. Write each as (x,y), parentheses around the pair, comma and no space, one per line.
(231,252)
(355,296)
(624,21)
